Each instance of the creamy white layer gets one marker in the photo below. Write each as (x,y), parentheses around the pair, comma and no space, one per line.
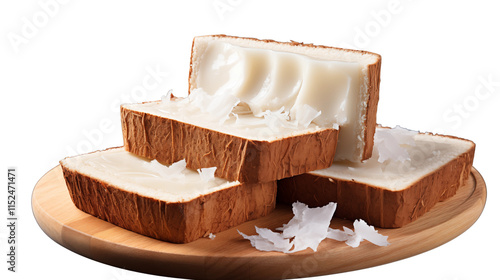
(269,80)
(428,153)
(145,177)
(290,79)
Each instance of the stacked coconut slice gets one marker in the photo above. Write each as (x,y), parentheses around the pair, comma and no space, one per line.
(262,114)
(408,174)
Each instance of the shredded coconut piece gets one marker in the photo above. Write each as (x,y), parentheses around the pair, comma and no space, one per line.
(174,171)
(167,97)
(218,106)
(207,174)
(306,114)
(211,236)
(281,118)
(369,233)
(306,229)
(310,226)
(362,231)
(337,234)
(268,240)
(391,143)
(222,105)
(277,119)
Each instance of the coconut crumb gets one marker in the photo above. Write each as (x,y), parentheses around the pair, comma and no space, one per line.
(211,236)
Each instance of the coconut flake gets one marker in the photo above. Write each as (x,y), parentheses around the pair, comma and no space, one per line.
(391,144)
(177,167)
(362,231)
(174,171)
(306,229)
(265,241)
(167,97)
(207,174)
(337,234)
(306,114)
(369,233)
(281,118)
(218,106)
(280,243)
(211,236)
(276,120)
(309,226)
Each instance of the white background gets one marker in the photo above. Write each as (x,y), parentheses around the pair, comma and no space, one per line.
(66,66)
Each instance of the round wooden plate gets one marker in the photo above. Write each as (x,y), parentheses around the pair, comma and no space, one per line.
(229,255)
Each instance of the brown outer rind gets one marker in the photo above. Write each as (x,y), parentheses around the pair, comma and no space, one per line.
(236,158)
(371,108)
(372,88)
(377,206)
(177,222)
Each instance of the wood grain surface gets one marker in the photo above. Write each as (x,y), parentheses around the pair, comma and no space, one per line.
(229,256)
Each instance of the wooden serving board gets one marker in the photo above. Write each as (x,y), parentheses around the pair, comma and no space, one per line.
(229,256)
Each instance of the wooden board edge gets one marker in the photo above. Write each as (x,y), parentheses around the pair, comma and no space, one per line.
(86,245)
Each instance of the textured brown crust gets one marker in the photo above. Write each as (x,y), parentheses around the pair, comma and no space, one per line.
(371,108)
(379,207)
(236,159)
(177,222)
(373,84)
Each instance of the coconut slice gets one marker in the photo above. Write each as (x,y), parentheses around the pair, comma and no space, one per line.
(341,84)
